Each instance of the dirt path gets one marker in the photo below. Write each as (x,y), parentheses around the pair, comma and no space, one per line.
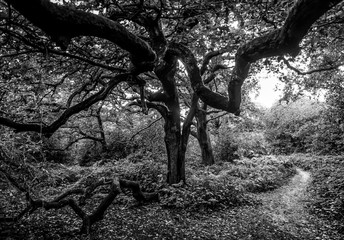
(282,215)
(285,208)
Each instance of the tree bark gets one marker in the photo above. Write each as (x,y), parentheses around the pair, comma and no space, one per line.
(101,129)
(173,132)
(203,136)
(63,23)
(175,157)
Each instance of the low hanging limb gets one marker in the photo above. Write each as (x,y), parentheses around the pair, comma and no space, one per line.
(62,200)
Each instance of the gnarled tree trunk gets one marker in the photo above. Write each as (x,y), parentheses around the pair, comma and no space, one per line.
(203,136)
(175,155)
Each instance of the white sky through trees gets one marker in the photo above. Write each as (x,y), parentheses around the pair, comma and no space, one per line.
(270,89)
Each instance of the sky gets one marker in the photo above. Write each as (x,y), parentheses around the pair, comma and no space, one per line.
(270,89)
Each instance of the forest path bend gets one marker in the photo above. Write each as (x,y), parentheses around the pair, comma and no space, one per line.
(286,206)
(282,215)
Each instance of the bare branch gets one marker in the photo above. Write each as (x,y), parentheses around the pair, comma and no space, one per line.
(50,129)
(298,71)
(211,55)
(145,128)
(221,115)
(159,107)
(276,43)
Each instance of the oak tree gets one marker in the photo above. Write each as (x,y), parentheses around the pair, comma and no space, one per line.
(141,44)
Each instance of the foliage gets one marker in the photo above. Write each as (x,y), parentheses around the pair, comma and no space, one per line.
(294,127)
(123,141)
(226,150)
(333,128)
(218,190)
(32,147)
(241,137)
(149,140)
(88,152)
(21,147)
(227,184)
(304,126)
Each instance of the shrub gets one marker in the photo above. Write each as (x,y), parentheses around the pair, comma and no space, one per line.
(204,193)
(304,126)
(122,143)
(234,144)
(227,184)
(53,151)
(226,150)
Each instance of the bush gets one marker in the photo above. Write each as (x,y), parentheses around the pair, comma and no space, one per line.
(53,151)
(264,173)
(234,144)
(150,141)
(304,126)
(226,150)
(88,152)
(122,143)
(149,173)
(119,144)
(203,194)
(227,184)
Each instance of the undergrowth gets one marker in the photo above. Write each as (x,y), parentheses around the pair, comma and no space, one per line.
(208,189)
(327,187)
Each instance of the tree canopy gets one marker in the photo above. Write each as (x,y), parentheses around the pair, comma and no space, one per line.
(61,58)
(148,32)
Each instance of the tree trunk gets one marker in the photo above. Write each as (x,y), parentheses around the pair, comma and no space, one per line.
(101,128)
(173,134)
(175,155)
(203,136)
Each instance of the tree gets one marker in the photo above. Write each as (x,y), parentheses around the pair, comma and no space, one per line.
(153,42)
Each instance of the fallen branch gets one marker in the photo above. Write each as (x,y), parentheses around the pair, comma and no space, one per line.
(62,201)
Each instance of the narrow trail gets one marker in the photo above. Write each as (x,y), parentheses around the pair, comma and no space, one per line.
(286,206)
(286,209)
(282,215)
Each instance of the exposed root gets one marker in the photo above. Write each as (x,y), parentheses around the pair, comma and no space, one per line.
(65,199)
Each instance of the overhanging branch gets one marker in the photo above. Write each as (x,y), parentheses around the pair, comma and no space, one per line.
(50,129)
(276,43)
(63,23)
(298,71)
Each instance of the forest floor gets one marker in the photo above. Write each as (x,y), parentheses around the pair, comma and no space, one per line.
(281,215)
(278,214)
